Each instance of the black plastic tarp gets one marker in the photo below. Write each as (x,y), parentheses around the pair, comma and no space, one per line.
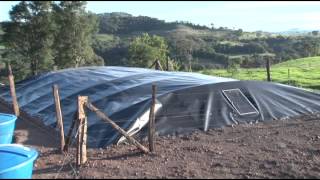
(189,100)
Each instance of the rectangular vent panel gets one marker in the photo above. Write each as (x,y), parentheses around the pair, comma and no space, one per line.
(240,102)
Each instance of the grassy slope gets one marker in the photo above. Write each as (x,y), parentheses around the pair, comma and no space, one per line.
(304,72)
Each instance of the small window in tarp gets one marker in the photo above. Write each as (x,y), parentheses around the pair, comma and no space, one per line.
(240,102)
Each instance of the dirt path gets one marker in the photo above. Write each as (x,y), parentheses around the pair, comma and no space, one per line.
(279,149)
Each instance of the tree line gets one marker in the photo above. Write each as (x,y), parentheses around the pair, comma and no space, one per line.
(192,46)
(44,34)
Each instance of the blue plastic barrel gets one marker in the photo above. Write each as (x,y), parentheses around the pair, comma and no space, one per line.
(7,125)
(16,161)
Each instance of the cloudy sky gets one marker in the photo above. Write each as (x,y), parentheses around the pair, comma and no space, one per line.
(271,16)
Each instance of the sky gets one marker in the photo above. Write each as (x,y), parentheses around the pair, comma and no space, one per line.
(271,16)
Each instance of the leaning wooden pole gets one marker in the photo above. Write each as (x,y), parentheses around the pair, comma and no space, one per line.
(55,89)
(153,64)
(152,119)
(115,126)
(13,92)
(69,139)
(82,132)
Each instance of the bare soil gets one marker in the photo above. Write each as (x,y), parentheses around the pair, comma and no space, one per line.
(279,149)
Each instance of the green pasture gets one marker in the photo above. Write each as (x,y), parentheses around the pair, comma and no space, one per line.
(304,72)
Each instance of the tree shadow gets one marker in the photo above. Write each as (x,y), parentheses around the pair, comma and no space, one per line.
(33,134)
(60,169)
(31,131)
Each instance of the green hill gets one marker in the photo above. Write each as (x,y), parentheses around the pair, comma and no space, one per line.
(306,63)
(304,72)
(209,47)
(200,46)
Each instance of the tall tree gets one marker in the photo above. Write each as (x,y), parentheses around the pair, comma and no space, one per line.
(29,34)
(73,38)
(183,48)
(145,49)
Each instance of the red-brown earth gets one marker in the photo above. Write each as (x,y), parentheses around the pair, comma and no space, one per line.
(278,149)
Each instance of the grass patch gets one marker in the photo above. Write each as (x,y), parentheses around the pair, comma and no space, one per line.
(304,72)
(104,37)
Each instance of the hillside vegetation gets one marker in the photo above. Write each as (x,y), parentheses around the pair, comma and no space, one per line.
(199,46)
(36,42)
(304,72)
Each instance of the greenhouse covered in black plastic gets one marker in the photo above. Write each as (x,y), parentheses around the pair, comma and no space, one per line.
(185,101)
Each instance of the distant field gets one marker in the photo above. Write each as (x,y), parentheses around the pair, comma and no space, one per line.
(304,72)
(105,37)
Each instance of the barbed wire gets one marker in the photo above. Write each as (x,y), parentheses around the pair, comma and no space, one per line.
(123,120)
(68,153)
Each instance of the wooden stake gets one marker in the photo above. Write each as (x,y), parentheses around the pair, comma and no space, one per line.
(268,69)
(79,144)
(158,66)
(82,136)
(115,126)
(152,119)
(13,92)
(68,139)
(59,115)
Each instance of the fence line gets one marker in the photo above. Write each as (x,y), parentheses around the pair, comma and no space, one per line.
(81,134)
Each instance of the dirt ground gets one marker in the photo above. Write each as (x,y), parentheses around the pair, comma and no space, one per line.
(279,149)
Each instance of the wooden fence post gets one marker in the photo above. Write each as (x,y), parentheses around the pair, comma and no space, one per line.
(268,69)
(158,65)
(152,119)
(59,115)
(115,126)
(13,92)
(82,132)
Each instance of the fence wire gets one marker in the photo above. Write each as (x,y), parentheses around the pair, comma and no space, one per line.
(179,117)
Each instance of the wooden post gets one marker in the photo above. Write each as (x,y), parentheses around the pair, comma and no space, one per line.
(82,136)
(59,115)
(115,126)
(79,144)
(13,92)
(158,66)
(167,64)
(268,69)
(189,59)
(152,119)
(68,139)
